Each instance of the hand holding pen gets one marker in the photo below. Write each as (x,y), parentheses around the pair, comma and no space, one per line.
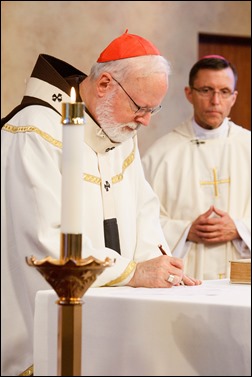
(171,277)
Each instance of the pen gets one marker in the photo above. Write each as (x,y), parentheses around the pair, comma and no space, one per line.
(162,250)
(164,253)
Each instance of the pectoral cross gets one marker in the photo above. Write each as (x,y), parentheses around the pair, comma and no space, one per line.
(215,182)
(106,186)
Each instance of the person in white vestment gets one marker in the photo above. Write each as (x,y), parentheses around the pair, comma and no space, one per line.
(201,172)
(120,210)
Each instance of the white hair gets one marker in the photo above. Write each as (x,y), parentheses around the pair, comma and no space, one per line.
(143,65)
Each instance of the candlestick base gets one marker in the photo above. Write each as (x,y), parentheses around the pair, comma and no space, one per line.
(70,278)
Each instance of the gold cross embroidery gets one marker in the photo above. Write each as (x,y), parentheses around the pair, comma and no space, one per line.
(215,182)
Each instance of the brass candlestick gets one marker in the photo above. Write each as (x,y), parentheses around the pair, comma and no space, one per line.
(70,276)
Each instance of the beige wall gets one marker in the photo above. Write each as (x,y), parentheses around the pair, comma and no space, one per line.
(78,31)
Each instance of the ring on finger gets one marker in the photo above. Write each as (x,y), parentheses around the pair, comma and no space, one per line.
(171,278)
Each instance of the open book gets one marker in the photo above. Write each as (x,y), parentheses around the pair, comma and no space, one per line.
(240,271)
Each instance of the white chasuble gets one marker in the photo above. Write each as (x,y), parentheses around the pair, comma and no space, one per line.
(189,175)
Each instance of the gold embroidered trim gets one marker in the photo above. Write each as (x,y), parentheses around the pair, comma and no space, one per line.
(44,135)
(27,372)
(87,177)
(124,275)
(117,178)
(91,179)
(215,182)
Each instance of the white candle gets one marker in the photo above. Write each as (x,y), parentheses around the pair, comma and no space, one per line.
(72,166)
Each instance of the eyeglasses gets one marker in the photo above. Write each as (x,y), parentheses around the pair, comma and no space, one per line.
(207,92)
(140,110)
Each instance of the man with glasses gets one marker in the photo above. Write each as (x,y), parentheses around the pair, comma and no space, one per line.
(201,174)
(120,212)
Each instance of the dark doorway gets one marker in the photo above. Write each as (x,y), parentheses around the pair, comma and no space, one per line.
(238,51)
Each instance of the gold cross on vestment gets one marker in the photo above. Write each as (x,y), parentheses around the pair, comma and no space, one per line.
(215,182)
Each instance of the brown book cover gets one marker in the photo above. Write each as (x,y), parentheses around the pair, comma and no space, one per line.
(240,271)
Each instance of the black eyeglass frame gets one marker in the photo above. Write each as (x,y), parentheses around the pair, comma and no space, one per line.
(140,109)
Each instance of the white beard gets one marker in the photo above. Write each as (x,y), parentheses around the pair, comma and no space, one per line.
(121,132)
(117,132)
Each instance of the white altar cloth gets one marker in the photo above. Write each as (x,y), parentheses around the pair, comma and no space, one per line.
(183,331)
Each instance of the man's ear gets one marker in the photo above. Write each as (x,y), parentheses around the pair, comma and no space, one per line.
(188,93)
(104,84)
(234,97)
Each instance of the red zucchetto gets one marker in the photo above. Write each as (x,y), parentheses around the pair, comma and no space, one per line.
(127,46)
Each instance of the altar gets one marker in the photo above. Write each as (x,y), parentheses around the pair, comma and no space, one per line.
(183,331)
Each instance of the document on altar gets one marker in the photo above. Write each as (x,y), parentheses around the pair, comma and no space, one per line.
(209,289)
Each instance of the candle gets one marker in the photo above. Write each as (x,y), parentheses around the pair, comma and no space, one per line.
(72,165)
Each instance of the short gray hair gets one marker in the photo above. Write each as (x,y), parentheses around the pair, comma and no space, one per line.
(145,65)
